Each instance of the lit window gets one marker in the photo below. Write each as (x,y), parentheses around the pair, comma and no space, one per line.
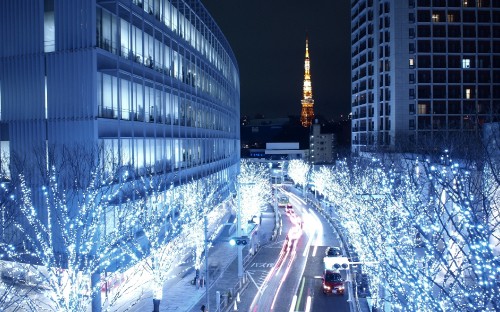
(464,3)
(422,108)
(451,18)
(435,17)
(465,63)
(467,93)
(412,62)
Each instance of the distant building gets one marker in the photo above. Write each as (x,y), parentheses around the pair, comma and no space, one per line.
(423,71)
(288,151)
(255,133)
(321,145)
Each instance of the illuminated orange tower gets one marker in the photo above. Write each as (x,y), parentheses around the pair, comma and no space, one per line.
(307,113)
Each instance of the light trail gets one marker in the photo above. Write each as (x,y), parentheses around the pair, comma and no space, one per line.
(288,249)
(283,278)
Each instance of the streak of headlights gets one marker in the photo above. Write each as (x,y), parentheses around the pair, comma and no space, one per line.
(288,249)
(283,278)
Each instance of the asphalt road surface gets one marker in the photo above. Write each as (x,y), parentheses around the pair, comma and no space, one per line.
(290,277)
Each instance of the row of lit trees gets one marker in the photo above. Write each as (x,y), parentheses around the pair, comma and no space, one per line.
(60,238)
(255,188)
(427,229)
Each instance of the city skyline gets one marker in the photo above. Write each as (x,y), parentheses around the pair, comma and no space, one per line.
(268,41)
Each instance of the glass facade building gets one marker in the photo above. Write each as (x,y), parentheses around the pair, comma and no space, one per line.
(153,83)
(423,70)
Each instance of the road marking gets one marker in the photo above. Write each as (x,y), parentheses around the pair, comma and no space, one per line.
(308,304)
(262,265)
(294,301)
(302,284)
(258,288)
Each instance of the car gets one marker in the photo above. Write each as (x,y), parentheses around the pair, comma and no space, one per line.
(333,283)
(283,201)
(333,252)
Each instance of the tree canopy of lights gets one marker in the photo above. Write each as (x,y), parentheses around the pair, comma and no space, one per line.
(127,229)
(255,189)
(163,248)
(64,242)
(298,171)
(423,228)
(198,200)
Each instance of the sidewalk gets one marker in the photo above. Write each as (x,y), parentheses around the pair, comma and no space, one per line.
(181,295)
(227,280)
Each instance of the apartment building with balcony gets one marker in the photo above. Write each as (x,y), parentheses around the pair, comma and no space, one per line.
(423,71)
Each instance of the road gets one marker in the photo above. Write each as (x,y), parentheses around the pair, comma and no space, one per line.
(290,277)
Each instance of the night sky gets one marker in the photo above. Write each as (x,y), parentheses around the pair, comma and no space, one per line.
(268,39)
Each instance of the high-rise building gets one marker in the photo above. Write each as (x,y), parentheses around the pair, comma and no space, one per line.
(153,85)
(423,71)
(307,113)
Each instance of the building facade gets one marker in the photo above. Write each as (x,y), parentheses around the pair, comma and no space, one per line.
(321,146)
(423,70)
(153,85)
(155,82)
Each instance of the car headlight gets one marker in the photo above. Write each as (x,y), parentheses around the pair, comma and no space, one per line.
(326,287)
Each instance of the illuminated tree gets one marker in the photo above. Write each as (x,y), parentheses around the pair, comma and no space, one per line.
(255,189)
(199,199)
(423,230)
(71,250)
(299,170)
(62,240)
(157,246)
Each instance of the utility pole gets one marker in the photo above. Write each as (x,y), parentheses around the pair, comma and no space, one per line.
(238,233)
(206,264)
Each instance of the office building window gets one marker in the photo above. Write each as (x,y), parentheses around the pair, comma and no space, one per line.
(451,18)
(412,62)
(465,3)
(465,63)
(49,33)
(435,17)
(467,93)
(423,108)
